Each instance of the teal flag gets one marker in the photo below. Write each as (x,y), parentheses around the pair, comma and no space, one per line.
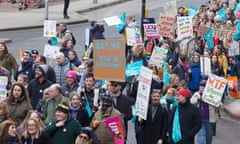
(222,13)
(209,39)
(88,108)
(236,36)
(192,11)
(120,27)
(166,76)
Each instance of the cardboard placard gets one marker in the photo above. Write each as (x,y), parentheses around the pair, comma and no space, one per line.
(49,28)
(165,25)
(184,27)
(109,59)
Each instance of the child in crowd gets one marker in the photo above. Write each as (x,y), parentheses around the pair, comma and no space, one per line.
(22,78)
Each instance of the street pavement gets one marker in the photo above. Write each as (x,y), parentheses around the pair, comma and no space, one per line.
(13,19)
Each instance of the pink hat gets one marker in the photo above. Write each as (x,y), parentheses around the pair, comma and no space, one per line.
(237,15)
(184,92)
(72,74)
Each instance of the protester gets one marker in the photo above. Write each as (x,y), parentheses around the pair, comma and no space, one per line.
(73,58)
(4,113)
(41,103)
(187,117)
(96,31)
(7,60)
(208,114)
(107,110)
(64,34)
(35,53)
(63,130)
(56,97)
(66,47)
(61,68)
(87,136)
(121,102)
(8,134)
(154,129)
(37,85)
(22,78)
(77,111)
(25,66)
(18,102)
(33,132)
(71,83)
(50,74)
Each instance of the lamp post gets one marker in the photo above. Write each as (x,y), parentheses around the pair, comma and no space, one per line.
(46,9)
(142,18)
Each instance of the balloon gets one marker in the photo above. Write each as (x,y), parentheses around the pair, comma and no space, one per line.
(54,41)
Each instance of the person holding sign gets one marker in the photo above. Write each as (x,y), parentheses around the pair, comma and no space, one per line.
(208,114)
(154,128)
(186,121)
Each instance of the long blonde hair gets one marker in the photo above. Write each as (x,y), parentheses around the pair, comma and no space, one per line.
(38,127)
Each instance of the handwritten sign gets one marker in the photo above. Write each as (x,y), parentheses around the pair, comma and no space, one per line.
(134,68)
(3,85)
(220,31)
(214,89)
(143,93)
(165,25)
(158,55)
(109,59)
(170,8)
(115,125)
(184,27)
(151,31)
(133,34)
(49,29)
(50,51)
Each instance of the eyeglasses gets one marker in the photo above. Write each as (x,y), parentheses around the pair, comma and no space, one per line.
(83,137)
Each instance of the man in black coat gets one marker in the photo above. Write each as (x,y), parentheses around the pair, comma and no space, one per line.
(37,85)
(121,102)
(154,128)
(189,118)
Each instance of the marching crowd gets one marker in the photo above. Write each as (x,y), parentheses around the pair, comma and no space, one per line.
(65,104)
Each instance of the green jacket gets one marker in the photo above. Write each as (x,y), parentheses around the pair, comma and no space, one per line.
(49,109)
(66,134)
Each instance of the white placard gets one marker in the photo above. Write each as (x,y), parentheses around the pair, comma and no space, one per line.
(214,89)
(49,29)
(205,63)
(158,55)
(170,8)
(114,20)
(3,85)
(87,36)
(50,51)
(233,49)
(184,27)
(143,93)
(131,36)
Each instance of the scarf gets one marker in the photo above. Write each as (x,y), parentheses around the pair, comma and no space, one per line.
(74,111)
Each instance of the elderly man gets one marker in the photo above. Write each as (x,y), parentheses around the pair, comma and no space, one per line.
(65,129)
(56,97)
(61,68)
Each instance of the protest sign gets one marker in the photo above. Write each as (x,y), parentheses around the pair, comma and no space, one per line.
(233,87)
(219,31)
(87,36)
(165,25)
(50,51)
(3,87)
(114,20)
(233,48)
(109,59)
(143,93)
(49,28)
(214,89)
(184,27)
(205,64)
(158,55)
(151,31)
(131,36)
(134,68)
(115,125)
(170,8)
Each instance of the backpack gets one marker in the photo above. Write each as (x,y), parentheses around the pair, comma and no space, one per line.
(73,38)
